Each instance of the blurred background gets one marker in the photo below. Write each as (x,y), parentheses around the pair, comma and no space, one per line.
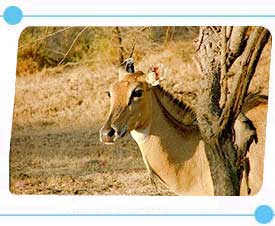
(60,105)
(48,47)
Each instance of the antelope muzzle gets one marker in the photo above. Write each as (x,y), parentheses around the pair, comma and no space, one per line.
(109,134)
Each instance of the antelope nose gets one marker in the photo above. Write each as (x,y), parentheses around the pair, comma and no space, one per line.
(107,134)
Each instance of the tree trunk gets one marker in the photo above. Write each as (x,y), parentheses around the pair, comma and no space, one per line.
(218,48)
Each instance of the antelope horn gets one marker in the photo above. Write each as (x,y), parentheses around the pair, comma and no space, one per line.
(133,49)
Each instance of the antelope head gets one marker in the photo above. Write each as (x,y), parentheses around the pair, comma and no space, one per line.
(130,101)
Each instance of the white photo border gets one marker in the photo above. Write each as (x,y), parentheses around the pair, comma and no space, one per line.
(112,206)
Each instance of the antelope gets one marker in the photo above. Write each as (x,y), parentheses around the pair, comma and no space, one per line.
(166,133)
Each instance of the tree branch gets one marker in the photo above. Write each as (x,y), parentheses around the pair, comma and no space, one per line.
(237,44)
(239,88)
(72,45)
(121,49)
(224,76)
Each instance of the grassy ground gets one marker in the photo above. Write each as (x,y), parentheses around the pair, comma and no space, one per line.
(55,147)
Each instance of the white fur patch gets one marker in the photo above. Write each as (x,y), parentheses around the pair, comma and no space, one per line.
(140,135)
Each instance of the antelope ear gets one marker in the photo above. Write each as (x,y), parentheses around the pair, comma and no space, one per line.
(126,67)
(155,74)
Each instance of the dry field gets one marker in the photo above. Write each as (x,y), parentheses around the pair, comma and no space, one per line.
(55,147)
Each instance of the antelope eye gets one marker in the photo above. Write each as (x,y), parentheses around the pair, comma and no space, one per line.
(108,93)
(137,93)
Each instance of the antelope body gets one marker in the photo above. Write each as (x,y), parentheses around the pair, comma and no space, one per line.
(167,134)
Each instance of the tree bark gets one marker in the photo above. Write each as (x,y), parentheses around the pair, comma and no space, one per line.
(218,48)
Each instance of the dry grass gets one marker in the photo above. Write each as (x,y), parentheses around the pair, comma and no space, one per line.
(55,148)
(58,112)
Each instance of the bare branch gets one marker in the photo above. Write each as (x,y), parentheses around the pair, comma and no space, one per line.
(250,59)
(229,32)
(133,47)
(72,45)
(237,44)
(167,33)
(121,49)
(224,76)
(198,42)
(44,37)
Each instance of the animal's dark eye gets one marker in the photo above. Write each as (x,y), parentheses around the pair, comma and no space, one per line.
(108,93)
(137,93)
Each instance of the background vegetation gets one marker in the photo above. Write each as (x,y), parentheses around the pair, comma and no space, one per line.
(48,47)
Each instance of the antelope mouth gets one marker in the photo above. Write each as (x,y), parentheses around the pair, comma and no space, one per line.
(121,133)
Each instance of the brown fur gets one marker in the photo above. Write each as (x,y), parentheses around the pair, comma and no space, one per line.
(169,140)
